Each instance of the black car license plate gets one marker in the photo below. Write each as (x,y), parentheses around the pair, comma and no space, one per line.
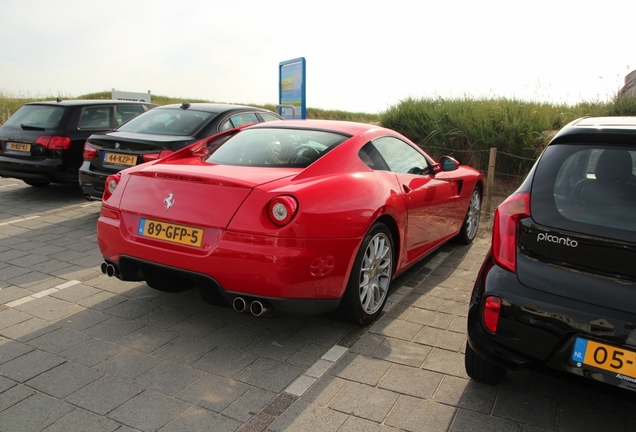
(606,357)
(120,159)
(21,147)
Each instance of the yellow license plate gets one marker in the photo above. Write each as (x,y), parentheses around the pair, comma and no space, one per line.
(23,147)
(120,159)
(606,357)
(174,233)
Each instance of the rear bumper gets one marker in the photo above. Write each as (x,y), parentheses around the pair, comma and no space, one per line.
(537,330)
(281,270)
(129,268)
(52,170)
(91,182)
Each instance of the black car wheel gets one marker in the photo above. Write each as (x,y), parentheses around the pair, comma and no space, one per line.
(368,285)
(37,183)
(471,223)
(480,369)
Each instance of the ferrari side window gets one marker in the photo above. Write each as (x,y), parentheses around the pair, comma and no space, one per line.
(401,157)
(371,158)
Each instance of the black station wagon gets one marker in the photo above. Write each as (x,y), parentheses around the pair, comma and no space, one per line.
(42,142)
(557,290)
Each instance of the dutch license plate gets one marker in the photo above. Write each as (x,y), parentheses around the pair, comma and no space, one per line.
(23,147)
(181,234)
(120,159)
(606,357)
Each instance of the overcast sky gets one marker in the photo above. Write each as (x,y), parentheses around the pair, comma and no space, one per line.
(360,55)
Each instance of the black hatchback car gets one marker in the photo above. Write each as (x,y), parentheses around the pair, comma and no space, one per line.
(557,290)
(156,134)
(42,142)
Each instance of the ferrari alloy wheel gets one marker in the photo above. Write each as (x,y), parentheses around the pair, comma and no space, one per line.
(370,278)
(471,223)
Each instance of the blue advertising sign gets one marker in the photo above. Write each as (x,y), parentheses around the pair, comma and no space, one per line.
(291,89)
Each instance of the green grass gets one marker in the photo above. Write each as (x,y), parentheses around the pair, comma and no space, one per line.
(468,128)
(464,128)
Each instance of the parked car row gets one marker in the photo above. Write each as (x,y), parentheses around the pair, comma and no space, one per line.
(304,217)
(87,140)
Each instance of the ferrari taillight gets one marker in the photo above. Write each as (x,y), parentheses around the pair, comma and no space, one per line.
(282,209)
(504,232)
(54,142)
(492,307)
(156,156)
(89,152)
(110,185)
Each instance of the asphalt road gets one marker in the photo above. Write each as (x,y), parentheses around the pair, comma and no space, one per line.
(83,352)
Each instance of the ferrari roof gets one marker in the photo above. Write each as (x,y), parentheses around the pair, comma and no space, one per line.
(351,128)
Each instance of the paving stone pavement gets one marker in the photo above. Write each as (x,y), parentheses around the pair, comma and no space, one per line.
(83,352)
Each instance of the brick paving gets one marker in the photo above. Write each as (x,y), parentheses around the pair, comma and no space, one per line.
(83,352)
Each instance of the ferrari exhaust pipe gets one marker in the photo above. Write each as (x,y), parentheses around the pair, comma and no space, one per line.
(258,308)
(239,304)
(108,269)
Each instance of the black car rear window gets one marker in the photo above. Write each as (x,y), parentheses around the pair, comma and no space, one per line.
(273,147)
(168,121)
(589,189)
(40,116)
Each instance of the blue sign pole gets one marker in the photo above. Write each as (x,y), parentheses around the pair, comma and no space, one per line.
(292,89)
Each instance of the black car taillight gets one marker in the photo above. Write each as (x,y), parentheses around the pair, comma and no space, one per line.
(54,142)
(89,152)
(504,233)
(492,307)
(156,156)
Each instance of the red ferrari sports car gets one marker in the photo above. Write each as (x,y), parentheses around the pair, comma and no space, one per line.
(292,217)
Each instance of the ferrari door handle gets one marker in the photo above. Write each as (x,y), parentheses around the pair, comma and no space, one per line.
(406,188)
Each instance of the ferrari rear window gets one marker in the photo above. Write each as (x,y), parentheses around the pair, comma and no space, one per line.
(175,122)
(276,147)
(40,116)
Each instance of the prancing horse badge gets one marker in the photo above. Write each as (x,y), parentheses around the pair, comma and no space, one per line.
(169,200)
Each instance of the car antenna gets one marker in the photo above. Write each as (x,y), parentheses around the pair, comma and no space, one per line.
(58,100)
(185,105)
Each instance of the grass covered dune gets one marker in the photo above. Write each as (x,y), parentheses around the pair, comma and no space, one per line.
(466,128)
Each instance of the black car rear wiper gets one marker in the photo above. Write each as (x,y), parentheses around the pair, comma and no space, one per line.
(29,127)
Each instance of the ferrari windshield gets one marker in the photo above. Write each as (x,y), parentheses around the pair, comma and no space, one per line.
(276,147)
(168,121)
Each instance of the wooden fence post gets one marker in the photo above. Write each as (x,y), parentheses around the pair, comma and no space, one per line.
(490,178)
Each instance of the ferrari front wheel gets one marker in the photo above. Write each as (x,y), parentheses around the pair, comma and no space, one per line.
(470,226)
(370,278)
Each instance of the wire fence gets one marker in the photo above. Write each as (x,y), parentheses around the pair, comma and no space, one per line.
(499,182)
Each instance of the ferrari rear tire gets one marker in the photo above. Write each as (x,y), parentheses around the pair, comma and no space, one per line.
(480,369)
(370,279)
(470,226)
